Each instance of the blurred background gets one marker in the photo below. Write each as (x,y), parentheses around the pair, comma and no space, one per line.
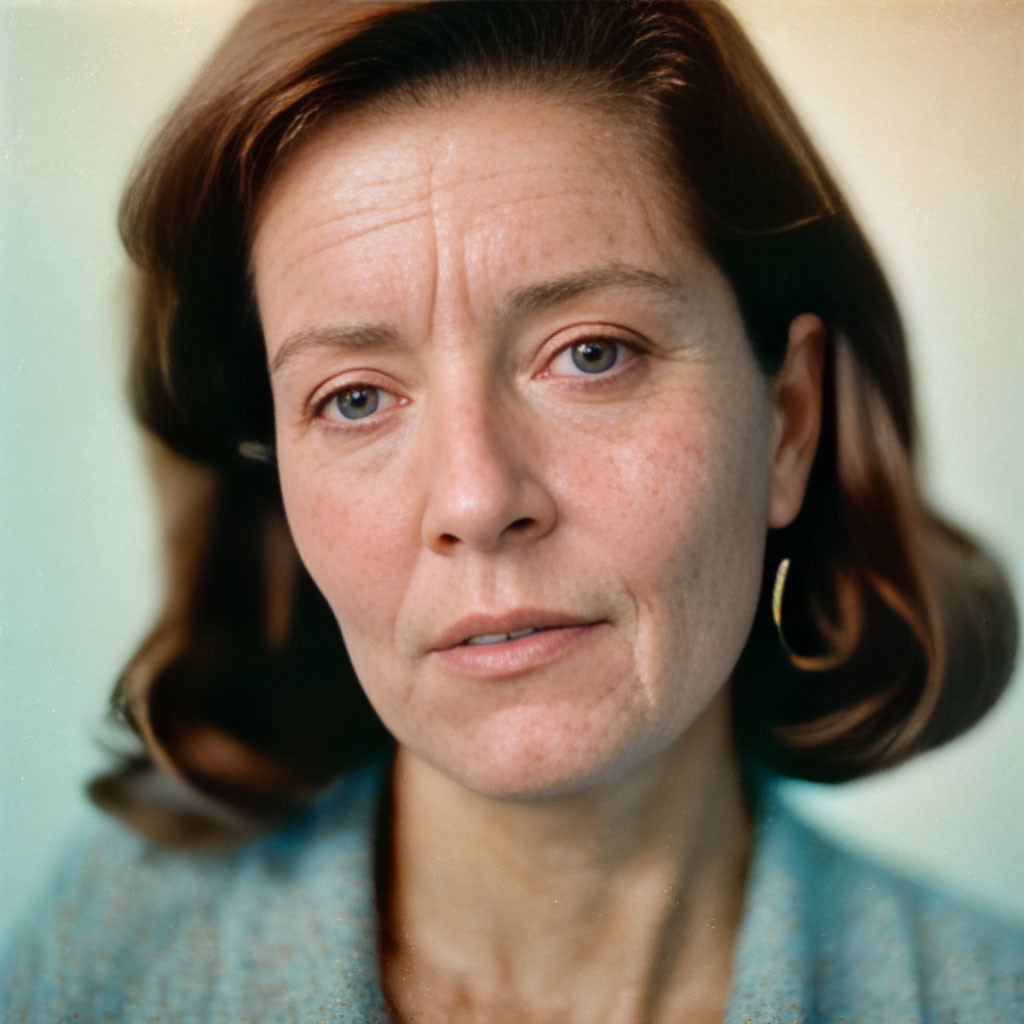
(919,106)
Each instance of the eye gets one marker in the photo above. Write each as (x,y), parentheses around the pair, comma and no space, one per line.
(355,402)
(591,356)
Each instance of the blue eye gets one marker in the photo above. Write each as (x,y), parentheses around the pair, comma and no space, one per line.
(356,403)
(591,356)
(594,355)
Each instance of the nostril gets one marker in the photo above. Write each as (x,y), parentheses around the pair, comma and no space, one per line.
(482,512)
(522,525)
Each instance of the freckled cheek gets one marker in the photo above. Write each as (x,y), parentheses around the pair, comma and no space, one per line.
(676,496)
(711,587)
(641,490)
(351,547)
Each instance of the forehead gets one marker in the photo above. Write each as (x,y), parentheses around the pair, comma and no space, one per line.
(481,194)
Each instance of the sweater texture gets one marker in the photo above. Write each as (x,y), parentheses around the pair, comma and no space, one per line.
(285,929)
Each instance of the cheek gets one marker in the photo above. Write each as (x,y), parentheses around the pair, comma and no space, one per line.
(683,512)
(351,540)
(679,480)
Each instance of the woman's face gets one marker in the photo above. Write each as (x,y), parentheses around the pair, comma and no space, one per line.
(525,450)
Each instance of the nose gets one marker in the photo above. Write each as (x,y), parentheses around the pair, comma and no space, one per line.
(485,487)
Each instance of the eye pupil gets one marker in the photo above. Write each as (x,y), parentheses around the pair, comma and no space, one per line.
(355,403)
(594,356)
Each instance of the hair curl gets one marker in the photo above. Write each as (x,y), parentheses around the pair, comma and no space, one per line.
(243,687)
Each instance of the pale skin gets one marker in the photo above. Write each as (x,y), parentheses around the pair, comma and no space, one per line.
(512,393)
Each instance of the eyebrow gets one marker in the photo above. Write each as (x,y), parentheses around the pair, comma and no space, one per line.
(357,336)
(521,302)
(533,297)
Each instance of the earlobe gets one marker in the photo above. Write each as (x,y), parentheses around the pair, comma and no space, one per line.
(797,416)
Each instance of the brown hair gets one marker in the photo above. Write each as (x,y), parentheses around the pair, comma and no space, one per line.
(243,686)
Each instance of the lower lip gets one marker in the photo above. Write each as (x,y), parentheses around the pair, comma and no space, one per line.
(515,657)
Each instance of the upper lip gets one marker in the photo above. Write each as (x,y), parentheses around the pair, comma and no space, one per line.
(506,622)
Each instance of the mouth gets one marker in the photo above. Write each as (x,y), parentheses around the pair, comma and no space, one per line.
(505,628)
(511,646)
(488,639)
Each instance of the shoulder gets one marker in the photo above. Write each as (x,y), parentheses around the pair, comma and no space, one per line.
(278,926)
(861,942)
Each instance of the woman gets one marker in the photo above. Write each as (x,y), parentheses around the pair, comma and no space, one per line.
(591,421)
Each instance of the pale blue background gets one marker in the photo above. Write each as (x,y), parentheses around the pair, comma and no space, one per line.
(921,107)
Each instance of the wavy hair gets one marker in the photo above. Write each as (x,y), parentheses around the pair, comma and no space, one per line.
(243,688)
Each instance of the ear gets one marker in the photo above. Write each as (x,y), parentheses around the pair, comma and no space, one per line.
(797,417)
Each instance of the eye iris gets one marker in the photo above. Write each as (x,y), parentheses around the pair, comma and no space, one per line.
(355,403)
(594,356)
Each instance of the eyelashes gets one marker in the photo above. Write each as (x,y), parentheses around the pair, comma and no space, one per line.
(587,362)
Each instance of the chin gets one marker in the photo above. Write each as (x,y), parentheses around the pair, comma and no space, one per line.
(521,756)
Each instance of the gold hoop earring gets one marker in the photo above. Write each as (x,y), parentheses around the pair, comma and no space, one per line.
(819,663)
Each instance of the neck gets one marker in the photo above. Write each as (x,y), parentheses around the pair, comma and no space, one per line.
(620,903)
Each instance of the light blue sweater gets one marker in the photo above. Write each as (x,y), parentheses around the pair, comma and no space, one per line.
(284,929)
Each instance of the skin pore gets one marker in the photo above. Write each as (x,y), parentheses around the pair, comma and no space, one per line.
(528,457)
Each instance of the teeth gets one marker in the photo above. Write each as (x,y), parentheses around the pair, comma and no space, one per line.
(487,638)
(500,638)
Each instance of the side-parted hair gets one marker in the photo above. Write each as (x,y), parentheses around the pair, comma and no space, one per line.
(906,630)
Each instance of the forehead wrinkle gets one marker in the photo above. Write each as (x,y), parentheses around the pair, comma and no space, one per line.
(530,298)
(533,197)
(454,181)
(434,187)
(433,261)
(340,205)
(337,243)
